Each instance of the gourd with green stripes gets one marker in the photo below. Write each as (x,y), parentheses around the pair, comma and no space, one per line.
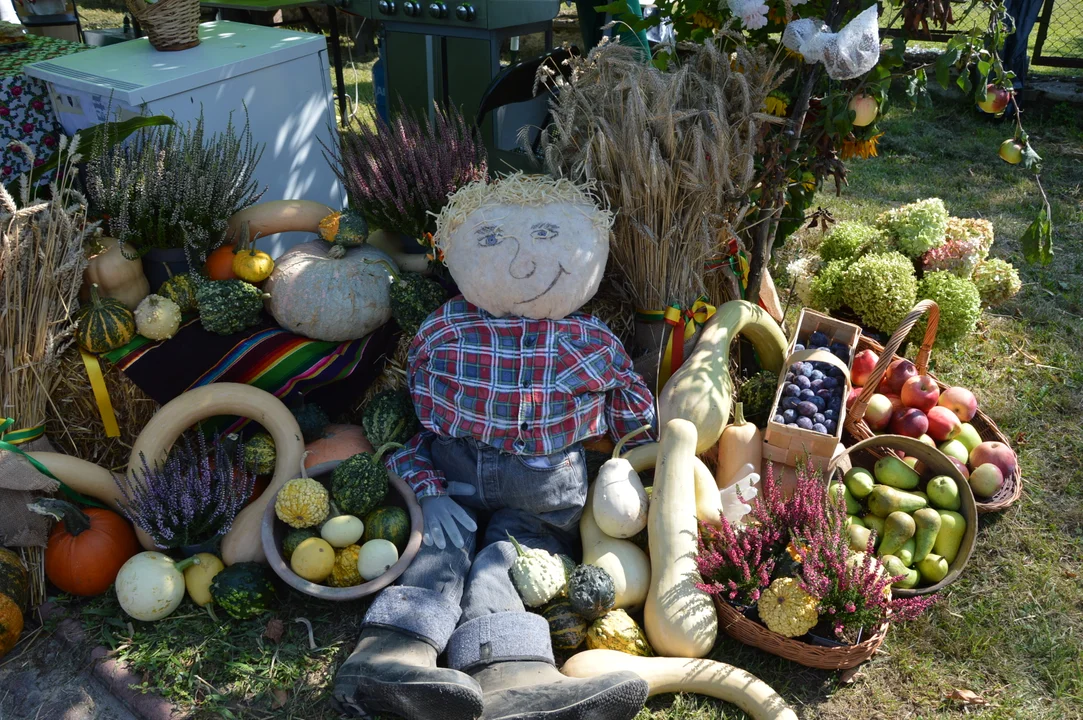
(104,324)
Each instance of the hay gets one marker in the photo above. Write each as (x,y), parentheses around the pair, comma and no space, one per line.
(392,378)
(615,309)
(74,424)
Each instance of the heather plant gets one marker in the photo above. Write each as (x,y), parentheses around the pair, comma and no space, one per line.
(399,175)
(190,498)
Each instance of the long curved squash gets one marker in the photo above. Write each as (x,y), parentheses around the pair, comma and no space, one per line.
(276,216)
(701,391)
(82,476)
(672,675)
(708,501)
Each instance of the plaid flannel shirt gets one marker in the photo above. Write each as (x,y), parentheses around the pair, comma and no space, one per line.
(528,387)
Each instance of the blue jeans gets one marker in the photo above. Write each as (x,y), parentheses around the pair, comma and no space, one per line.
(463,599)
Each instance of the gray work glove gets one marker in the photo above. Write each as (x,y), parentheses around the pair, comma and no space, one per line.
(444,515)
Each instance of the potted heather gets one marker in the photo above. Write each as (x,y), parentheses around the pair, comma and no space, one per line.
(186,503)
(170,192)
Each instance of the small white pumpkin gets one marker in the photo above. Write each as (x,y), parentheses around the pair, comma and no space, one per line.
(150,585)
(620,502)
(376,557)
(538,575)
(157,317)
(327,292)
(342,530)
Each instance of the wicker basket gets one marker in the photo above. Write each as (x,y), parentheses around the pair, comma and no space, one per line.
(865,454)
(169,24)
(841,657)
(987,429)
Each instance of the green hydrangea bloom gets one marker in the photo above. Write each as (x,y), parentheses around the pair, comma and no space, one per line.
(917,227)
(997,281)
(881,289)
(847,241)
(959,302)
(825,291)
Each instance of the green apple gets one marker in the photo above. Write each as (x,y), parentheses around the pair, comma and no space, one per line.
(943,493)
(986,480)
(933,569)
(1011,151)
(969,437)
(955,449)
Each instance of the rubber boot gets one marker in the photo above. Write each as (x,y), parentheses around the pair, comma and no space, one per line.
(390,672)
(538,691)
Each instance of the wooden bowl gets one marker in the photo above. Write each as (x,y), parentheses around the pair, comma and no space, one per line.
(274,531)
(936,463)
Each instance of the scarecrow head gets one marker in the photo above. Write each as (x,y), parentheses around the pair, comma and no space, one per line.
(531,246)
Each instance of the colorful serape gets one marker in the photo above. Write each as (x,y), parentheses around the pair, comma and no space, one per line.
(333,375)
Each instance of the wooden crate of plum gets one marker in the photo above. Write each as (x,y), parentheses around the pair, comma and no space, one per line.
(810,402)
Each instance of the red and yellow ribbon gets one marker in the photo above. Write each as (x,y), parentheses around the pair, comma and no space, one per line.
(691,318)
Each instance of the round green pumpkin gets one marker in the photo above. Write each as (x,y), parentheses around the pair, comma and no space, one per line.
(181,289)
(567,628)
(388,523)
(591,592)
(104,324)
(14,579)
(259,454)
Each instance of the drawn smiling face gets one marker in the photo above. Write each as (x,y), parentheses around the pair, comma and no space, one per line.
(535,262)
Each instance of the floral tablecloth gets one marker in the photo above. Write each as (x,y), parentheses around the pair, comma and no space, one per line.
(26,113)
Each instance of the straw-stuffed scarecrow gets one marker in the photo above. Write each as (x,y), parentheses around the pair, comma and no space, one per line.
(508,380)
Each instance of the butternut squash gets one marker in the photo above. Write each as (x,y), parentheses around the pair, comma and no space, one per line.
(708,501)
(679,618)
(701,391)
(622,559)
(276,216)
(665,675)
(117,272)
(620,502)
(741,444)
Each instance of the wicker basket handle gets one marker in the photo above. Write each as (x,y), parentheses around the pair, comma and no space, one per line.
(857,410)
(892,442)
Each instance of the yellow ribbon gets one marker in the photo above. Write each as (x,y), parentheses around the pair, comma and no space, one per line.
(693,318)
(101,393)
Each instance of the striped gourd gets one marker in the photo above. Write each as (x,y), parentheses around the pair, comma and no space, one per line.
(104,323)
(181,289)
(567,629)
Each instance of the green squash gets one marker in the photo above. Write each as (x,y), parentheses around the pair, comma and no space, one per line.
(413,298)
(229,306)
(567,628)
(181,289)
(346,228)
(14,579)
(259,454)
(389,418)
(294,538)
(359,483)
(591,592)
(104,324)
(388,523)
(312,420)
(243,590)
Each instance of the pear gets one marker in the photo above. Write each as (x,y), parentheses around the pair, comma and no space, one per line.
(927,521)
(876,525)
(854,520)
(906,553)
(859,482)
(950,537)
(884,500)
(853,507)
(933,569)
(859,537)
(920,494)
(898,528)
(890,470)
(895,567)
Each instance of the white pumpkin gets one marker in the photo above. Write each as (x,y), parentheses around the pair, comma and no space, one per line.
(620,502)
(157,317)
(150,585)
(376,557)
(529,246)
(342,530)
(326,292)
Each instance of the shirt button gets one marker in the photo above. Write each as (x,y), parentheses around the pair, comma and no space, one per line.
(523,427)
(526,383)
(529,340)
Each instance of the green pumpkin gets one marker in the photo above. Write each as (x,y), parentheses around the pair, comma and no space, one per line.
(259,454)
(14,579)
(413,298)
(359,483)
(243,590)
(181,289)
(567,628)
(346,228)
(388,523)
(104,324)
(229,306)
(389,417)
(312,420)
(591,592)
(294,538)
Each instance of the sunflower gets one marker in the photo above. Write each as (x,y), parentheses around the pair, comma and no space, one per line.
(703,20)
(853,147)
(777,103)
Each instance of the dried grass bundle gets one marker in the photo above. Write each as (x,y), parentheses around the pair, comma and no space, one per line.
(673,153)
(393,376)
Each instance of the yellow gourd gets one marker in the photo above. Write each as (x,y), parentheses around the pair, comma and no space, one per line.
(314,559)
(250,264)
(741,444)
(197,578)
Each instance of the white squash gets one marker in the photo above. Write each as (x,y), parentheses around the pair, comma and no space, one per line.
(665,675)
(620,502)
(626,564)
(680,619)
(157,318)
(741,444)
(376,557)
(342,530)
(708,502)
(150,585)
(327,292)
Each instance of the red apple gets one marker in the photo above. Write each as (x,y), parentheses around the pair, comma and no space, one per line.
(884,388)
(960,401)
(996,99)
(910,422)
(927,440)
(911,461)
(986,480)
(997,453)
(896,402)
(865,109)
(878,413)
(920,392)
(863,364)
(943,424)
(898,372)
(1011,151)
(854,392)
(962,468)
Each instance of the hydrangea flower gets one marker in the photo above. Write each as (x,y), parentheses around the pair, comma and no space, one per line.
(917,227)
(802,272)
(753,13)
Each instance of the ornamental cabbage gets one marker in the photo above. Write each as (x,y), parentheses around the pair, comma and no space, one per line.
(847,241)
(959,303)
(997,281)
(916,228)
(787,609)
(881,289)
(825,293)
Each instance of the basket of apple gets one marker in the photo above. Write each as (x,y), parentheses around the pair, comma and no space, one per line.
(891,394)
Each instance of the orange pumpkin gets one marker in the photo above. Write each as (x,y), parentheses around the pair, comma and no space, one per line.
(11,624)
(87,548)
(220,263)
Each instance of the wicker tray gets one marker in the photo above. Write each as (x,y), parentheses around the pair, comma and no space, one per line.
(749,632)
(170,24)
(855,424)
(865,454)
